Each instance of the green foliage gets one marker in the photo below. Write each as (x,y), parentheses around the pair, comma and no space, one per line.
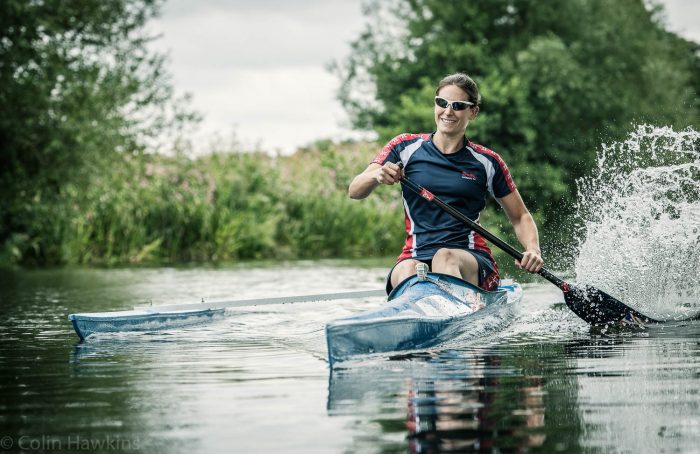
(556,77)
(79,87)
(222,207)
(82,98)
(321,221)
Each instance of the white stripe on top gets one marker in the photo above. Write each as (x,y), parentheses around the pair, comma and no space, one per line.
(471,234)
(407,152)
(488,166)
(405,155)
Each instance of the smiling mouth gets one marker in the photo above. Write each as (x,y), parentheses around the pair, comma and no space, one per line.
(448,120)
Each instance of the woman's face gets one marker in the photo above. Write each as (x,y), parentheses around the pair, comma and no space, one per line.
(449,121)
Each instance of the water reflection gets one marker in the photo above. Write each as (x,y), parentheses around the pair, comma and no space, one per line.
(466,413)
(637,391)
(452,401)
(257,380)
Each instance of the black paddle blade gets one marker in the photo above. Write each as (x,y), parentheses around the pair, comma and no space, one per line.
(598,308)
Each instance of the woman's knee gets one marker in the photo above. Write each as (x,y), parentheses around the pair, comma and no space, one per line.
(403,270)
(456,263)
(445,257)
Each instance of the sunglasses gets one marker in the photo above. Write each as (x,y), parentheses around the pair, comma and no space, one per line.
(456,105)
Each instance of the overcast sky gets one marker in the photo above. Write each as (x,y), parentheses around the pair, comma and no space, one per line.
(257,68)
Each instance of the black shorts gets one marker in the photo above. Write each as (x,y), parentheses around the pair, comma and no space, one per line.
(488,271)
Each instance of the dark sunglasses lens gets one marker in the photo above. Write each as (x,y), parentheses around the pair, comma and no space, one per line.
(456,105)
(441,103)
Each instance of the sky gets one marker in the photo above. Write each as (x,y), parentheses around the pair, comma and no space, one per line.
(257,69)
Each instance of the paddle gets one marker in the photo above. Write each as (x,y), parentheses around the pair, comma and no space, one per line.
(263,301)
(592,305)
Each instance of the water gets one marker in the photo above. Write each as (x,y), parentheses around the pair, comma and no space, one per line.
(258,380)
(641,235)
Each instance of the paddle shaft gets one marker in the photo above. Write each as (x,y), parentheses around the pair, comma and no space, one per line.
(590,304)
(265,301)
(429,196)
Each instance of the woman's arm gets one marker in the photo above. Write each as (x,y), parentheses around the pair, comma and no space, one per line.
(525,230)
(374,175)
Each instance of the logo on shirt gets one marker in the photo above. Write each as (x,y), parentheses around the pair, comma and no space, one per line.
(468,176)
(427,195)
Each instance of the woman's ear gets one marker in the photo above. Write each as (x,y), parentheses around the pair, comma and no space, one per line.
(475,111)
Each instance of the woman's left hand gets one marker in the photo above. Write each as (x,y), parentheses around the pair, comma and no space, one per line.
(531,261)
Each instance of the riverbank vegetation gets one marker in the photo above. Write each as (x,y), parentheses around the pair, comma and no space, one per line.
(84,100)
(220,207)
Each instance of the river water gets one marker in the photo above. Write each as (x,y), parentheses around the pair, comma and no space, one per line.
(258,380)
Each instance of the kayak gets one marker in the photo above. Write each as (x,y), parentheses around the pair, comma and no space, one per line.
(139,320)
(422,312)
(158,318)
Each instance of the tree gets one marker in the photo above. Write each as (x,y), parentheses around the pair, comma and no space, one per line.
(79,87)
(557,78)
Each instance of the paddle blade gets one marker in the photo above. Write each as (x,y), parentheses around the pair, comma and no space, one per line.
(598,308)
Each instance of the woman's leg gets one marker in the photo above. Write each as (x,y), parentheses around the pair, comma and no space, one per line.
(458,263)
(402,270)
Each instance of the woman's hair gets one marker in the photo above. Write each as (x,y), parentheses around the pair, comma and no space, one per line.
(464,82)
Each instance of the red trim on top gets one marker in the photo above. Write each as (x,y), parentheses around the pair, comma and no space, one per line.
(407,252)
(491,281)
(480,244)
(504,168)
(381,156)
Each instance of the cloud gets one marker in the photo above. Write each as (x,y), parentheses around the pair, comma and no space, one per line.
(235,35)
(259,66)
(256,67)
(682,18)
(281,108)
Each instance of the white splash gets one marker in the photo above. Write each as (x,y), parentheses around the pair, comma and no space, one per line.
(640,240)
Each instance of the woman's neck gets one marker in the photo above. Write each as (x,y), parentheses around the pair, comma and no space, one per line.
(448,144)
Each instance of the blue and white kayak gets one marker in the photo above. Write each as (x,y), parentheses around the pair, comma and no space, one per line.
(420,314)
(139,320)
(158,318)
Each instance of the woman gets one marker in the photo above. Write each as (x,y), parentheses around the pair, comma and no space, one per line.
(459,172)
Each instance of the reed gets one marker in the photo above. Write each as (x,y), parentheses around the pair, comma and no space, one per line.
(149,209)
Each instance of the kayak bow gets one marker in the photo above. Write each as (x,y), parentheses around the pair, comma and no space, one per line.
(420,314)
(138,320)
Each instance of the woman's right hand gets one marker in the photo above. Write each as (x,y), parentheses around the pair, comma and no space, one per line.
(389,173)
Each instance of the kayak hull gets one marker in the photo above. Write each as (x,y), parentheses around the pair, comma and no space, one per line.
(419,314)
(138,320)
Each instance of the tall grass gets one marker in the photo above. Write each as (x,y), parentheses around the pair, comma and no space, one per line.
(221,207)
(154,209)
